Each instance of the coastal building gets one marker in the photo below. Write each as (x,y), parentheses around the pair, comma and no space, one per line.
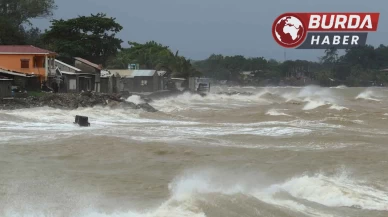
(123,78)
(63,78)
(139,80)
(108,82)
(26,59)
(91,74)
(145,80)
(67,78)
(21,81)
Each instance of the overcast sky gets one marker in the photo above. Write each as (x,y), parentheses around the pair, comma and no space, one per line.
(198,28)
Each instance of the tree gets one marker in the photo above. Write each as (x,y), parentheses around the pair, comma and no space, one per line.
(330,57)
(21,11)
(91,37)
(16,14)
(10,34)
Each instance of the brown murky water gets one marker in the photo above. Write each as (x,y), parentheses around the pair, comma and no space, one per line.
(279,152)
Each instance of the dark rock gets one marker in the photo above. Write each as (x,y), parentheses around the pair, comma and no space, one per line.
(86,93)
(147,107)
(125,94)
(236,93)
(131,105)
(146,99)
(72,101)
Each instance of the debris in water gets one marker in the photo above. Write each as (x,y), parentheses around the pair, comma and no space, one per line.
(82,121)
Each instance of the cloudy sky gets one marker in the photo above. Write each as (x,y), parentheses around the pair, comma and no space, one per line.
(198,28)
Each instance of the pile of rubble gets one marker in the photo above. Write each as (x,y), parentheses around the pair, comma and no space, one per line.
(74,101)
(235,93)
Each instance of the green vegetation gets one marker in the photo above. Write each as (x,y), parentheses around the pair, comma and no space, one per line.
(94,38)
(15,16)
(152,55)
(36,93)
(359,66)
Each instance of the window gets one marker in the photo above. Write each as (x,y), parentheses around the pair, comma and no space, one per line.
(25,63)
(143,82)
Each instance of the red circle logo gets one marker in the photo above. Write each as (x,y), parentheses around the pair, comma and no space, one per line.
(288,30)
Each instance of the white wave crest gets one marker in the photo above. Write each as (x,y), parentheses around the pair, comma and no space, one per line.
(313,104)
(135,99)
(338,108)
(340,87)
(368,95)
(274,112)
(335,191)
(338,190)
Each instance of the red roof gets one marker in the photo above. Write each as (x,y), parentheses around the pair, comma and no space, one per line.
(88,63)
(23,49)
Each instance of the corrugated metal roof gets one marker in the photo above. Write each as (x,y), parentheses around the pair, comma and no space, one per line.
(23,49)
(12,73)
(67,65)
(133,73)
(138,73)
(68,73)
(122,72)
(88,62)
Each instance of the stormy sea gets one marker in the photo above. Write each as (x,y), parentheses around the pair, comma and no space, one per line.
(277,151)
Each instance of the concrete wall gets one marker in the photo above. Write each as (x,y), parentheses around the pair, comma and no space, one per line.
(126,84)
(104,85)
(138,87)
(156,82)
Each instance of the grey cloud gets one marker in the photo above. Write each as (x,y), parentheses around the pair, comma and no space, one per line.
(198,28)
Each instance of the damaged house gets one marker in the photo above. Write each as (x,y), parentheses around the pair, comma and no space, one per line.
(91,77)
(66,78)
(139,80)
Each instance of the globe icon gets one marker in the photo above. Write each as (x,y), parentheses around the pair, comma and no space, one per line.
(289,31)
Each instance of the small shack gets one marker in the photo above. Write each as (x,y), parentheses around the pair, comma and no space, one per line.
(5,88)
(145,80)
(91,74)
(108,82)
(137,80)
(122,79)
(65,78)
(22,81)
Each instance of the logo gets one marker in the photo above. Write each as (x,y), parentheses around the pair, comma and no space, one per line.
(323,30)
